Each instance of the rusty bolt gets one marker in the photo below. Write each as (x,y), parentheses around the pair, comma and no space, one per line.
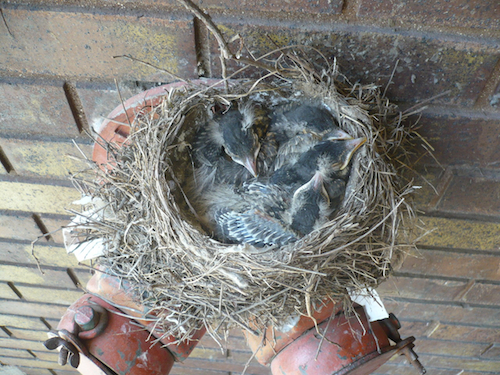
(86,317)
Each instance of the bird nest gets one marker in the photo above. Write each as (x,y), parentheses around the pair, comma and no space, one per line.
(188,279)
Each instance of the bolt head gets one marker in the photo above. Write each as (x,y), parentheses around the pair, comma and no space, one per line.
(86,317)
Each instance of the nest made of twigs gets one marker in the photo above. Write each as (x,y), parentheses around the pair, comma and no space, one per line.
(187,278)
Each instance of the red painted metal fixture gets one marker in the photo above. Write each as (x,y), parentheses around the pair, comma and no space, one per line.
(332,343)
(99,338)
(114,346)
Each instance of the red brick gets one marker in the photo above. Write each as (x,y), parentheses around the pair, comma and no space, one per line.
(83,275)
(18,227)
(492,352)
(459,13)
(447,313)
(39,371)
(323,7)
(494,99)
(35,108)
(453,349)
(50,198)
(44,158)
(54,227)
(399,366)
(21,344)
(460,234)
(3,335)
(16,353)
(53,323)
(67,371)
(390,368)
(472,196)
(17,321)
(444,263)
(31,275)
(57,296)
(6,292)
(487,294)
(30,363)
(417,288)
(459,364)
(233,343)
(449,332)
(462,140)
(179,369)
(47,254)
(46,355)
(83,45)
(29,334)
(428,180)
(427,67)
(34,309)
(225,366)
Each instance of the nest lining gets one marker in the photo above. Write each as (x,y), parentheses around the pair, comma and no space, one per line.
(189,280)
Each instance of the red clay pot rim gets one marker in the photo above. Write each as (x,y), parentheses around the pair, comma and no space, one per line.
(115,128)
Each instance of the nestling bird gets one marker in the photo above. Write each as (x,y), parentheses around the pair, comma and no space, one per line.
(294,118)
(226,147)
(301,158)
(331,158)
(252,214)
(310,206)
(301,126)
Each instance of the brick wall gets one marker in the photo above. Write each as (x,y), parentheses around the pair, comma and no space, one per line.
(57,79)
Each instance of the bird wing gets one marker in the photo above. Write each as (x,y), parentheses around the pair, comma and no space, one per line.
(265,196)
(252,227)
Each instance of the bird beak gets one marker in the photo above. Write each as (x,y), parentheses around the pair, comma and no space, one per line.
(337,134)
(317,180)
(250,164)
(352,145)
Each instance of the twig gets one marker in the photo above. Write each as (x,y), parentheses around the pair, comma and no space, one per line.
(207,20)
(130,57)
(226,53)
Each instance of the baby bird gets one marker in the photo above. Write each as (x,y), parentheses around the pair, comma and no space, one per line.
(330,158)
(294,118)
(249,214)
(310,206)
(300,127)
(226,147)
